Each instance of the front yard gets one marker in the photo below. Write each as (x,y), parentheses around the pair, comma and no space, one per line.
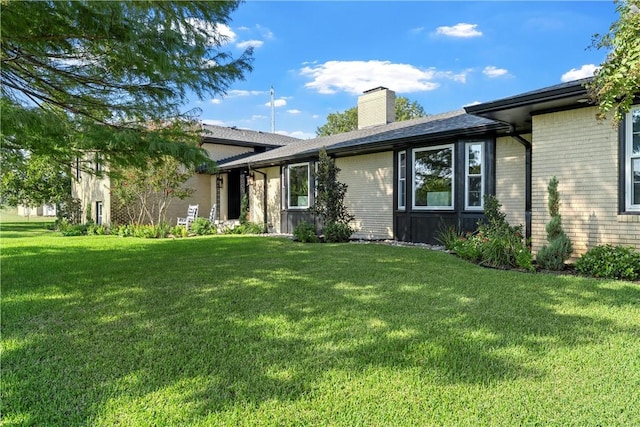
(235,330)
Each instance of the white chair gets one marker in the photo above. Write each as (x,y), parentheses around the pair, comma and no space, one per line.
(192,214)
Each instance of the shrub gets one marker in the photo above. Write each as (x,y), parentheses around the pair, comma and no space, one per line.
(305,232)
(246,228)
(75,230)
(179,231)
(468,247)
(502,245)
(448,237)
(201,226)
(163,229)
(337,232)
(610,262)
(553,256)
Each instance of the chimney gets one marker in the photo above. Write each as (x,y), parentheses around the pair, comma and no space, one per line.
(376,107)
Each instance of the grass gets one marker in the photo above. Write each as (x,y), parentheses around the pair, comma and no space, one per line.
(236,330)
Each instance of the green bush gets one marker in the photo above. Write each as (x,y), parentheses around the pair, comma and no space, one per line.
(246,228)
(305,232)
(495,243)
(337,232)
(75,230)
(610,262)
(201,226)
(448,237)
(553,255)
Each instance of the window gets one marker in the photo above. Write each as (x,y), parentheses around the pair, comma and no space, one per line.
(99,213)
(433,173)
(402,180)
(98,162)
(298,182)
(632,159)
(474,188)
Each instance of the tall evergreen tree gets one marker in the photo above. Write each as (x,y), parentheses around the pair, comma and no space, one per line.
(111,77)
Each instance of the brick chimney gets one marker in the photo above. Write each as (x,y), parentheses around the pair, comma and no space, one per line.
(376,107)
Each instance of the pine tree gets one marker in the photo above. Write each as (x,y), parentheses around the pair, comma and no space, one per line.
(553,255)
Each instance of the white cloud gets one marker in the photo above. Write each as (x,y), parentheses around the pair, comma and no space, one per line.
(250,43)
(472,103)
(258,117)
(357,76)
(297,134)
(416,31)
(216,101)
(294,111)
(277,103)
(236,93)
(459,30)
(586,70)
(214,122)
(493,72)
(218,33)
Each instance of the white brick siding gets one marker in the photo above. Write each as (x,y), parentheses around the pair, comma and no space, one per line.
(510,178)
(370,193)
(583,154)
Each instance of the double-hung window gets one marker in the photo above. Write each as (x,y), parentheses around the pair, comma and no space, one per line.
(402,180)
(474,182)
(632,159)
(298,186)
(99,213)
(433,177)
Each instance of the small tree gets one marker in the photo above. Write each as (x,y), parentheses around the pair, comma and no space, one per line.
(146,194)
(330,193)
(553,256)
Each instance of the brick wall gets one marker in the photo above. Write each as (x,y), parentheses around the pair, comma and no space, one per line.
(369,193)
(510,178)
(583,154)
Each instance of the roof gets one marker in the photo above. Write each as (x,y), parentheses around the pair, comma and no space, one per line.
(375,138)
(244,137)
(517,110)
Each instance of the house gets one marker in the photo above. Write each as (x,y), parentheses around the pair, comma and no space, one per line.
(94,191)
(407,180)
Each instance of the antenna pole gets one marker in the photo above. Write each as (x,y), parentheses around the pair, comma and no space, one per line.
(273,111)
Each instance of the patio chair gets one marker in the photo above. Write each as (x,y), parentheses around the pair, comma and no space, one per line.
(192,214)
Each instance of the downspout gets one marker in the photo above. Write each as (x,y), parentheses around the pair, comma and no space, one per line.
(527,183)
(264,197)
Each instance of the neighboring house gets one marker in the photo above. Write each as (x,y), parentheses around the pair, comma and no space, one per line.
(221,143)
(407,180)
(43,210)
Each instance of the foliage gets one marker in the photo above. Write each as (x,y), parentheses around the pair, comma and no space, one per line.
(337,232)
(247,228)
(112,77)
(617,81)
(201,226)
(146,193)
(330,193)
(306,232)
(447,236)
(244,209)
(495,243)
(553,256)
(347,121)
(31,180)
(610,262)
(179,231)
(256,331)
(69,210)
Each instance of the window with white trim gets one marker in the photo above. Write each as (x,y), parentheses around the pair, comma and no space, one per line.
(473,176)
(433,172)
(402,180)
(632,159)
(298,186)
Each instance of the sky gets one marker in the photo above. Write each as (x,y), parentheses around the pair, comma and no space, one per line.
(320,55)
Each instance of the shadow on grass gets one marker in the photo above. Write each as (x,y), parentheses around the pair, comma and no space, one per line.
(212,323)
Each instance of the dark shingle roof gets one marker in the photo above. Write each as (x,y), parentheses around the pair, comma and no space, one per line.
(455,123)
(244,137)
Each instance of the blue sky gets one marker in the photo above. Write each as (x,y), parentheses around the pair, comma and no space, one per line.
(319,56)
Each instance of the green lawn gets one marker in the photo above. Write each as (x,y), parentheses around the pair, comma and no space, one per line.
(233,330)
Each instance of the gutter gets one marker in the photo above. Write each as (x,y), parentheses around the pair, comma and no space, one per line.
(264,196)
(527,182)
